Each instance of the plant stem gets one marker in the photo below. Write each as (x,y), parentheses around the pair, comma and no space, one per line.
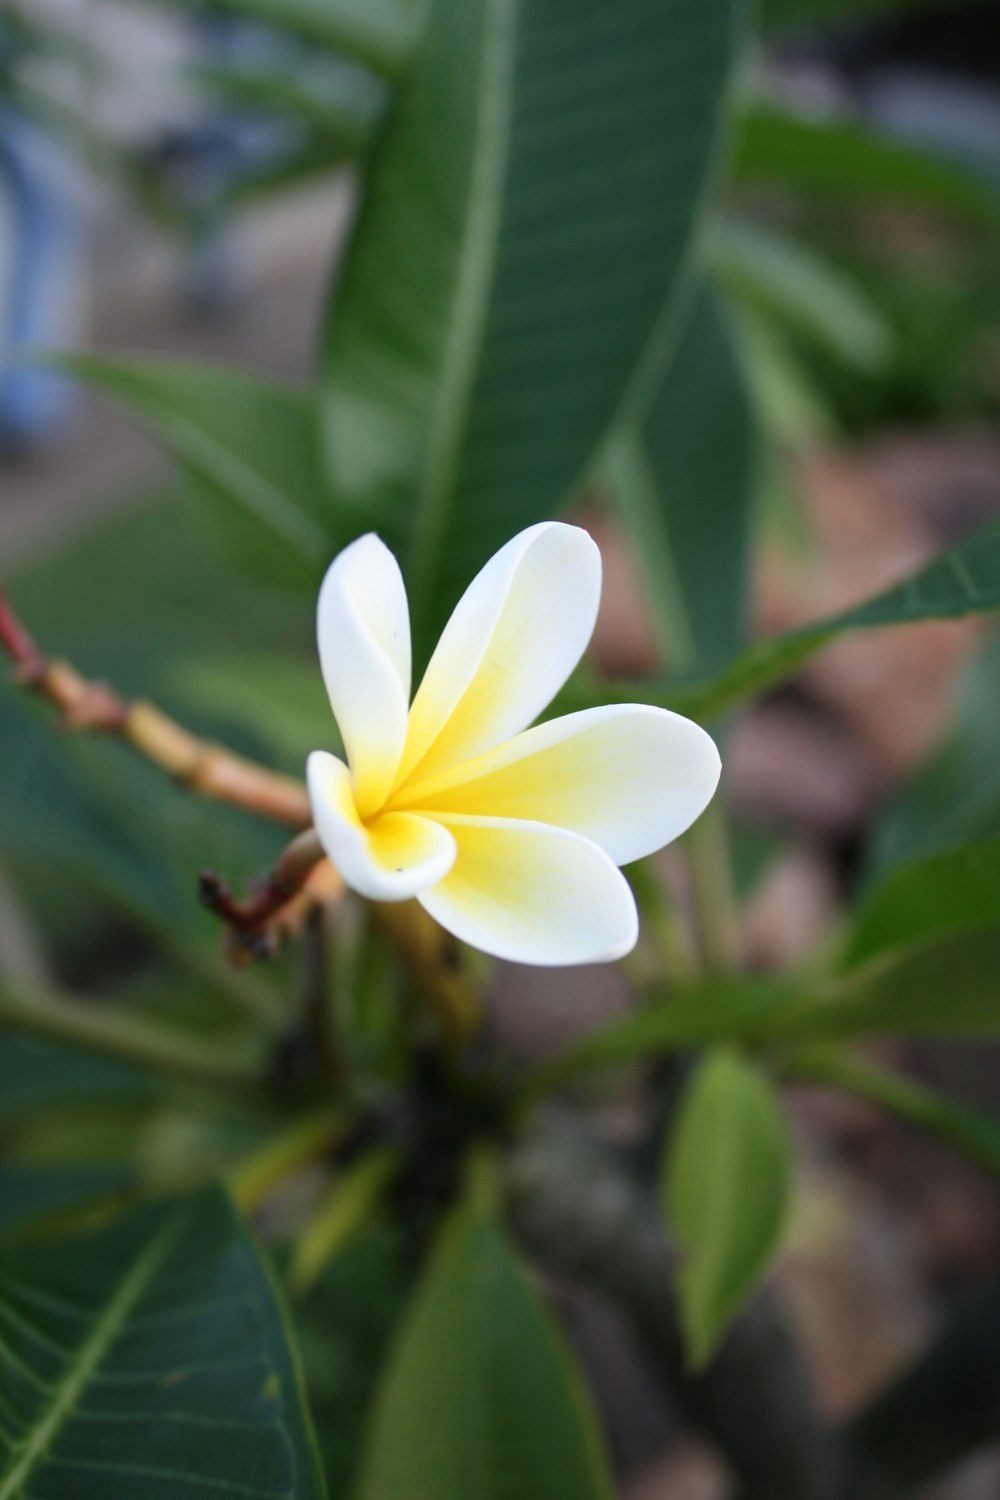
(317,1000)
(712,888)
(209,770)
(60,1018)
(431,957)
(673,948)
(301,1142)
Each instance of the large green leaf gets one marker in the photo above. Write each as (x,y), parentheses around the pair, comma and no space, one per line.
(727,1180)
(149,1357)
(527,211)
(248,447)
(963,580)
(956,891)
(683,481)
(835,159)
(480,1398)
(33,1197)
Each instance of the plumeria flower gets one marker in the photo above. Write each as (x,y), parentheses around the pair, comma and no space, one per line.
(510,837)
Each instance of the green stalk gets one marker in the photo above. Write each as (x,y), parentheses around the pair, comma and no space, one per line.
(710,865)
(62,1018)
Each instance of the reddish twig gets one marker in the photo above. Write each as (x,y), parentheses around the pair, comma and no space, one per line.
(18,644)
(301,880)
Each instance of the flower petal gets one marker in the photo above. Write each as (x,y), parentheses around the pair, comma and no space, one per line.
(629,777)
(364,647)
(533,894)
(516,634)
(399,855)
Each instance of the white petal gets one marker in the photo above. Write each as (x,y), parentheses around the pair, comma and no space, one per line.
(364,647)
(516,634)
(533,894)
(397,856)
(629,777)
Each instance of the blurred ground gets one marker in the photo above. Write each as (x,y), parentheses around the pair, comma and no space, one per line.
(887,1225)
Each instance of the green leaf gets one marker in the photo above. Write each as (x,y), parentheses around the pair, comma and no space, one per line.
(948,985)
(150,1356)
(945,986)
(844,160)
(112,1031)
(36,1075)
(34,1197)
(793,411)
(91,832)
(955,796)
(376,33)
(956,891)
(727,1180)
(350,1207)
(683,482)
(725,1008)
(277,698)
(480,1398)
(777,14)
(971,1131)
(528,208)
(963,580)
(345,1326)
(784,280)
(248,448)
(338,104)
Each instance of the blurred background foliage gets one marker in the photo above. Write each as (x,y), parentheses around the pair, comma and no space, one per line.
(724,286)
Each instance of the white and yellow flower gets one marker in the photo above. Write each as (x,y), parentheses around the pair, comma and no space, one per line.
(510,837)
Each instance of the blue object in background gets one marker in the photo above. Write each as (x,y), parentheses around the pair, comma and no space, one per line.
(41,298)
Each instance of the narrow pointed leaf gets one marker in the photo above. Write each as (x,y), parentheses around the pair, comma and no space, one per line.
(971,1131)
(376,33)
(150,1356)
(249,449)
(723,1008)
(954,797)
(727,1182)
(528,208)
(955,891)
(845,160)
(802,290)
(944,986)
(480,1398)
(963,580)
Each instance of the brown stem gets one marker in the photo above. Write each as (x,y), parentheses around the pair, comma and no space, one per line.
(301,880)
(204,768)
